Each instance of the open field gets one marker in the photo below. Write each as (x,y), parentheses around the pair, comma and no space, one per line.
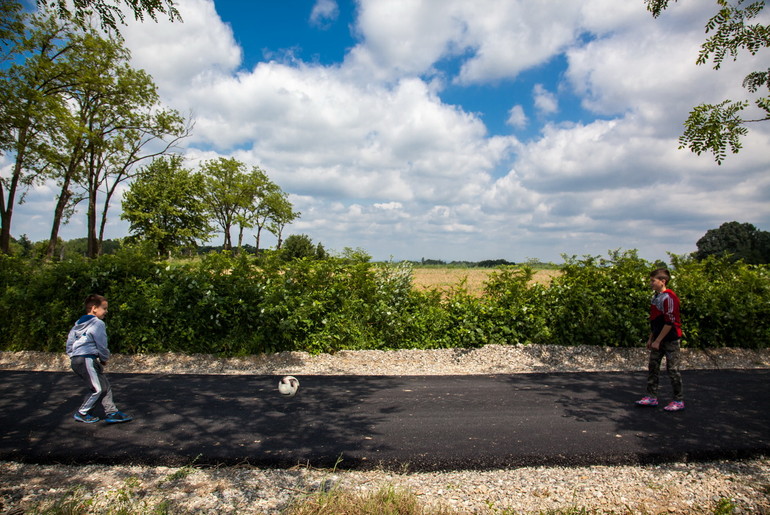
(445,279)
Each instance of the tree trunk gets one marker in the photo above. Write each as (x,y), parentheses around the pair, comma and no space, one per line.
(5,231)
(64,198)
(61,204)
(6,207)
(93,247)
(103,222)
(280,237)
(228,243)
(259,233)
(7,214)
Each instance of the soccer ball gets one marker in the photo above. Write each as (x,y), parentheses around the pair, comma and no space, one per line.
(288,386)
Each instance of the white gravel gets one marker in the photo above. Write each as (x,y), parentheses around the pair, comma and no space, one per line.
(668,488)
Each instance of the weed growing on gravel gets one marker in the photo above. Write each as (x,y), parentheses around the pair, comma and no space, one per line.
(182,472)
(72,503)
(125,500)
(724,507)
(386,501)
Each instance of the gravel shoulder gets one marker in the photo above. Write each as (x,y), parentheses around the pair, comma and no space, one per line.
(490,359)
(669,488)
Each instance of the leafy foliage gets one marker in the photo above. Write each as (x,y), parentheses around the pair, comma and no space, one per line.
(240,304)
(75,112)
(164,206)
(234,195)
(738,241)
(299,246)
(109,13)
(723,302)
(31,101)
(599,301)
(715,127)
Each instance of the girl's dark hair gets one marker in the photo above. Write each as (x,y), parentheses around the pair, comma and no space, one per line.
(92,301)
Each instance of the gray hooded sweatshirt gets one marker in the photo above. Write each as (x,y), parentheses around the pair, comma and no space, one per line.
(88,338)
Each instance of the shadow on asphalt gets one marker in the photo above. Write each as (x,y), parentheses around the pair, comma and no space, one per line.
(726,413)
(395,422)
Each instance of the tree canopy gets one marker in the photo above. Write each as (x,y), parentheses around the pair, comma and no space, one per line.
(165,208)
(300,246)
(73,112)
(109,12)
(237,196)
(32,102)
(741,241)
(718,127)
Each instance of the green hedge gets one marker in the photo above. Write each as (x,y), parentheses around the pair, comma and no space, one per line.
(239,305)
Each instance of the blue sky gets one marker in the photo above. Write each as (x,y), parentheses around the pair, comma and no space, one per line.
(265,29)
(456,130)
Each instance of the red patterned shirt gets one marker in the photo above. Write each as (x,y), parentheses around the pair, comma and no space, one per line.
(664,310)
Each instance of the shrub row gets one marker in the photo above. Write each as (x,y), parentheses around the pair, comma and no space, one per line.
(238,305)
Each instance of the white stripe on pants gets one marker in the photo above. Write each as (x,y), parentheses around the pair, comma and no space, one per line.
(90,370)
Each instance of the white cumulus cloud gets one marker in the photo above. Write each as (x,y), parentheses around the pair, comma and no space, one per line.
(373,157)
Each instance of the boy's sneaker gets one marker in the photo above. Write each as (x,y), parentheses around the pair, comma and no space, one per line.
(647,401)
(675,406)
(87,418)
(117,417)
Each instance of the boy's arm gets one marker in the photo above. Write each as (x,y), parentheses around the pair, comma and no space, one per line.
(70,342)
(100,338)
(663,332)
(669,318)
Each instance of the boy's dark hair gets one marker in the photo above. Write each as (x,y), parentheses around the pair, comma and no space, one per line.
(661,273)
(92,301)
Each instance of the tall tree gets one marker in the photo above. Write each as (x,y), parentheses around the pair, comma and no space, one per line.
(109,11)
(235,196)
(715,127)
(115,123)
(164,206)
(66,149)
(155,132)
(264,210)
(226,193)
(254,185)
(32,107)
(282,213)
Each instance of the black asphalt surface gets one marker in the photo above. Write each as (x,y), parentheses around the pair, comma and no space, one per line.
(398,422)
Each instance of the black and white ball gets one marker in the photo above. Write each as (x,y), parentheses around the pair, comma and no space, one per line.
(288,386)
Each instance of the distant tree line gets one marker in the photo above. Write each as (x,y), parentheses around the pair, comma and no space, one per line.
(733,241)
(487,263)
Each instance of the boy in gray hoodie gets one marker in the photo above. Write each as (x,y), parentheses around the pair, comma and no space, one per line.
(88,352)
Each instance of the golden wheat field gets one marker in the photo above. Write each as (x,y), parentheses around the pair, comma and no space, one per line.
(444,279)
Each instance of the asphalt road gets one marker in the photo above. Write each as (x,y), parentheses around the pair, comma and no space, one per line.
(398,422)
